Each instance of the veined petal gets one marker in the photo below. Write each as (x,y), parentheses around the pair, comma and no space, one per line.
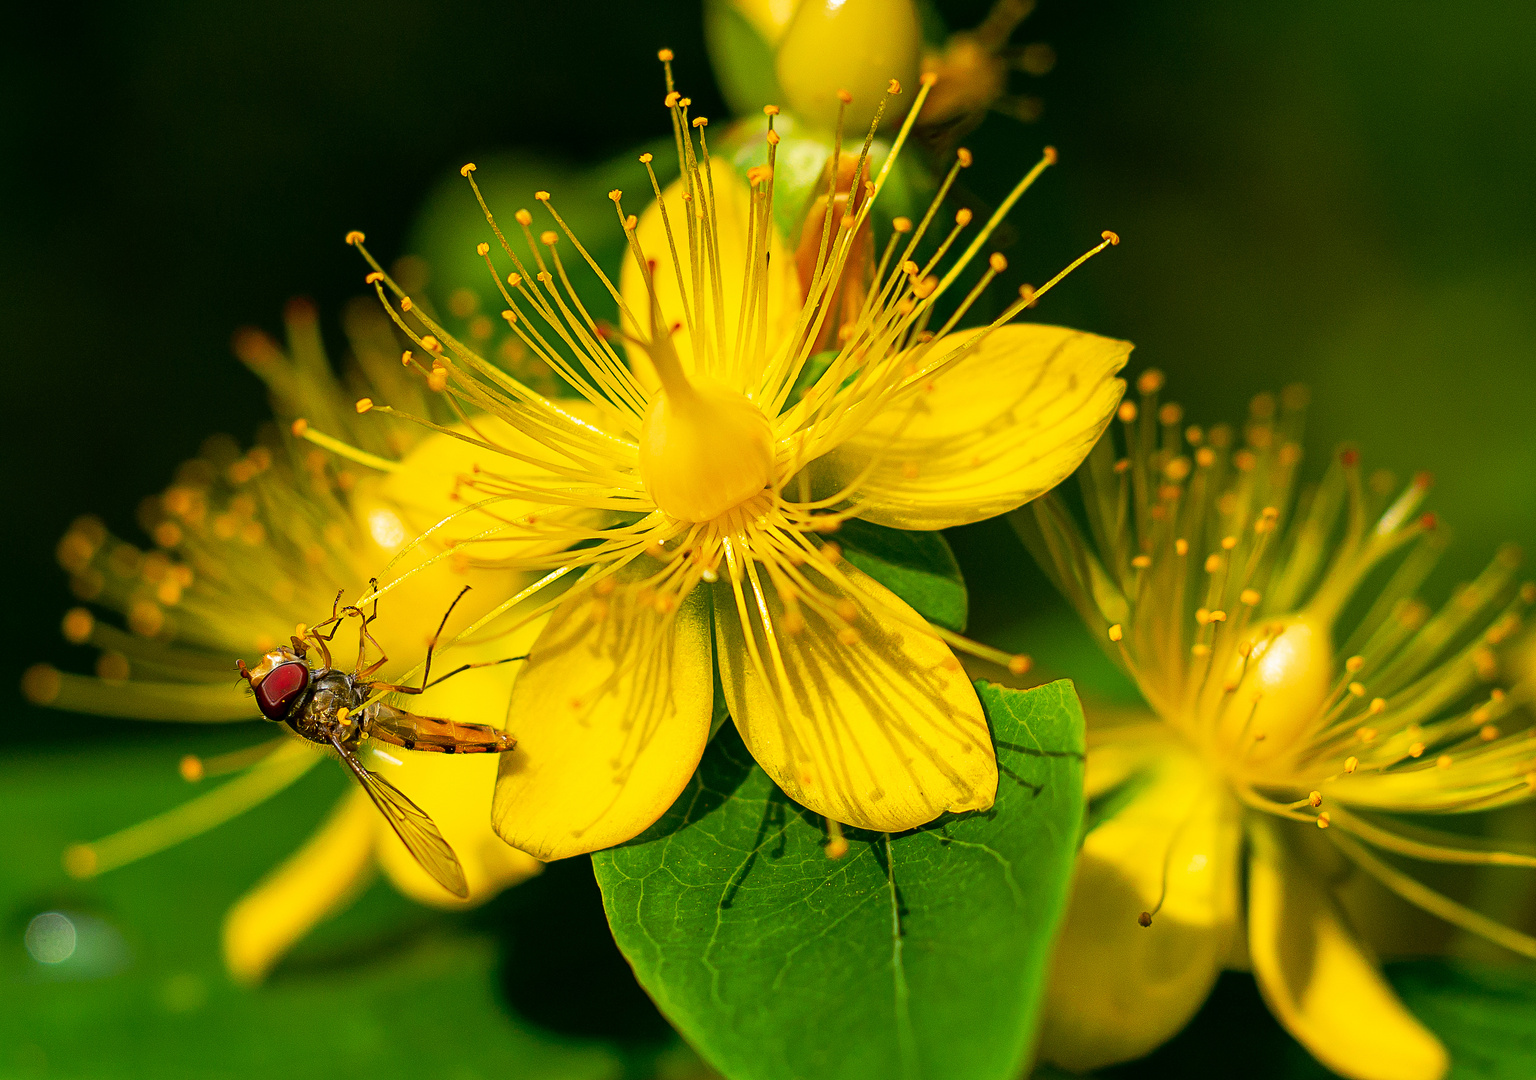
(456,789)
(1317,978)
(868,721)
(1118,990)
(733,204)
(611,714)
(321,877)
(989,431)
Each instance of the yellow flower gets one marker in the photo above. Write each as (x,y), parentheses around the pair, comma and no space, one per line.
(1307,697)
(246,547)
(691,496)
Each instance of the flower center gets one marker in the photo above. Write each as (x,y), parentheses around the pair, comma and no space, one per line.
(704,448)
(1282,691)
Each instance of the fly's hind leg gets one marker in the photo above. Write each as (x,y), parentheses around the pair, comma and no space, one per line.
(431,645)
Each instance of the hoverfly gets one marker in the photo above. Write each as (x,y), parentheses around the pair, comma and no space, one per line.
(339,709)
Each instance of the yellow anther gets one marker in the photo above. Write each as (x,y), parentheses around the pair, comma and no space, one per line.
(671,100)
(1112,237)
(1357,689)
(78,624)
(1116,632)
(1378,706)
(364,404)
(355,237)
(1354,664)
(1315,798)
(1019,664)
(1127,411)
(299,427)
(701,121)
(893,88)
(770,110)
(523,217)
(1218,616)
(1487,733)
(902,224)
(482,249)
(845,97)
(664,55)
(1443,761)
(549,237)
(964,157)
(997,262)
(847,610)
(1049,155)
(1212,563)
(405,303)
(373,278)
(467,168)
(437,381)
(1181,547)
(542,196)
(1351,763)
(1416,750)
(1141,562)
(1249,597)
(1367,734)
(1323,820)
(645,159)
(1228,543)
(615,195)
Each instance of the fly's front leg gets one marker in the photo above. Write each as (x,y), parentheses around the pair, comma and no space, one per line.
(364,637)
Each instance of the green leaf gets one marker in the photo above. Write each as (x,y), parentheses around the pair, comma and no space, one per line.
(915,956)
(1485,1015)
(387,990)
(916,566)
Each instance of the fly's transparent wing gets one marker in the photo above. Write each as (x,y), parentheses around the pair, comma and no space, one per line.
(411,823)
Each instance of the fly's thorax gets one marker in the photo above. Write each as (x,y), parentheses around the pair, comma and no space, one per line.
(1280,682)
(704,449)
(333,697)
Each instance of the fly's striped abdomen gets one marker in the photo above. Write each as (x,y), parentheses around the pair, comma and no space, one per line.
(433,734)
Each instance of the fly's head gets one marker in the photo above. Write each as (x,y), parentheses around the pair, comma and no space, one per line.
(278,682)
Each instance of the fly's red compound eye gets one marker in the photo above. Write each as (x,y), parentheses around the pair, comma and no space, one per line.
(276,693)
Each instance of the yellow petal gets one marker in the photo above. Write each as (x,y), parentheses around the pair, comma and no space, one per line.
(1118,990)
(993,429)
(880,731)
(395,508)
(611,714)
(321,877)
(455,790)
(733,202)
(1316,976)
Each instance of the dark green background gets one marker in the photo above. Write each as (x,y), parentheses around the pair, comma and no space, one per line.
(1336,193)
